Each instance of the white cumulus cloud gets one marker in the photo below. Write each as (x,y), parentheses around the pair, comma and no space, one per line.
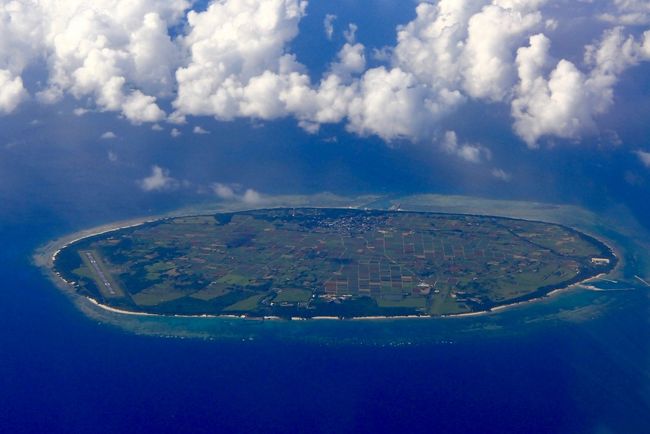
(473,153)
(233,60)
(328,25)
(501,175)
(12,92)
(466,46)
(223,191)
(237,65)
(351,59)
(631,12)
(252,197)
(116,52)
(644,157)
(158,180)
(233,192)
(566,102)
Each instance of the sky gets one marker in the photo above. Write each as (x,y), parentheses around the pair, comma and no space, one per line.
(173,100)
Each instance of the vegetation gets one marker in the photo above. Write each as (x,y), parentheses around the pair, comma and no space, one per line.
(343,262)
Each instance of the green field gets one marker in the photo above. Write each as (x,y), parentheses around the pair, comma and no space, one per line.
(293,296)
(345,262)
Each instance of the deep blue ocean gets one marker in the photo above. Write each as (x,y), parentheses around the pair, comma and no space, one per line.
(63,372)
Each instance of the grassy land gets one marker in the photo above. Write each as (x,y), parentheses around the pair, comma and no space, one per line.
(410,302)
(211,292)
(404,262)
(246,305)
(89,269)
(293,296)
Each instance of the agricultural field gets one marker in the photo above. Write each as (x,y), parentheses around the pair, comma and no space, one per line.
(310,262)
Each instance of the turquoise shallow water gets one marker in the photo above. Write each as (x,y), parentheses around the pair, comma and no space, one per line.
(577,306)
(577,362)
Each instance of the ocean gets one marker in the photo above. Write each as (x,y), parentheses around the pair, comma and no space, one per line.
(577,363)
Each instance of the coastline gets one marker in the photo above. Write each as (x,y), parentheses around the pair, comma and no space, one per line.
(45,256)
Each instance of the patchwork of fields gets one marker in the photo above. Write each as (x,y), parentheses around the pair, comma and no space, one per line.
(337,262)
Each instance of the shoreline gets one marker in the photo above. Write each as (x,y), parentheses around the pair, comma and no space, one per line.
(492,310)
(45,256)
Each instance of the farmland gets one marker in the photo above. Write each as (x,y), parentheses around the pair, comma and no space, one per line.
(308,262)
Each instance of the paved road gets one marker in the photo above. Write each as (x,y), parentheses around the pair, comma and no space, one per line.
(100,273)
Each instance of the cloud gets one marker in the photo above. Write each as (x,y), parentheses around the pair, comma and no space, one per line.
(328,25)
(12,92)
(175,132)
(472,153)
(351,59)
(556,106)
(566,102)
(461,46)
(108,135)
(19,45)
(238,66)
(117,53)
(158,180)
(252,197)
(223,191)
(232,192)
(198,130)
(390,103)
(501,175)
(139,108)
(458,50)
(112,157)
(628,12)
(156,127)
(644,157)
(492,34)
(451,51)
(234,60)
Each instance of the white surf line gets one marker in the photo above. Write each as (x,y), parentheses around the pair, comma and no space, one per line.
(120,311)
(646,283)
(104,230)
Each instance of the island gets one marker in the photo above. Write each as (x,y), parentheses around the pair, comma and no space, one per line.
(300,263)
